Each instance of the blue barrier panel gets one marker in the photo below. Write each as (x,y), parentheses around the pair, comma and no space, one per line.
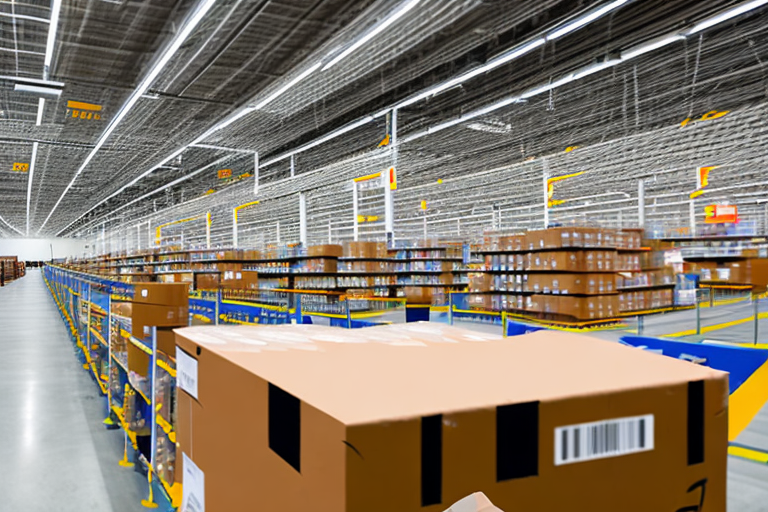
(740,362)
(518,328)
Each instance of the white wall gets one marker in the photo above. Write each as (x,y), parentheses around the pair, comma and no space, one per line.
(39,249)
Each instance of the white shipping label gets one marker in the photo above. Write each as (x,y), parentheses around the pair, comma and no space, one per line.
(193,487)
(603,439)
(186,372)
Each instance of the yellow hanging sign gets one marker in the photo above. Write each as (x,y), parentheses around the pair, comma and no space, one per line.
(82,110)
(551,187)
(20,167)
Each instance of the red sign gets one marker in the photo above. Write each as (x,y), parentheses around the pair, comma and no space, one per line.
(721,214)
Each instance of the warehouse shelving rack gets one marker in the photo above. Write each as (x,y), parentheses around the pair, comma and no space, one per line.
(85,304)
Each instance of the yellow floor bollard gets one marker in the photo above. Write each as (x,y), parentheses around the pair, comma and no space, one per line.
(125,463)
(150,501)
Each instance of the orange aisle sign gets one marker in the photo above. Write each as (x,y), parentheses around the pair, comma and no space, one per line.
(721,214)
(82,110)
(225,173)
(20,167)
(392,178)
(702,180)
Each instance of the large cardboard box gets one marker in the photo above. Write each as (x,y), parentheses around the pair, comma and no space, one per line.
(164,294)
(414,417)
(145,316)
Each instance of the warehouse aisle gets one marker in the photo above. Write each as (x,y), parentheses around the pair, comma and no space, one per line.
(55,453)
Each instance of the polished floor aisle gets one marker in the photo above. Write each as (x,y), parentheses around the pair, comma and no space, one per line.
(55,454)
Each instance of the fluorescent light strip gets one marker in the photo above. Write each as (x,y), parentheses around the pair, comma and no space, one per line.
(231,119)
(594,68)
(200,11)
(373,33)
(304,74)
(32,162)
(491,64)
(9,225)
(317,142)
(585,19)
(37,81)
(650,46)
(40,110)
(727,15)
(51,41)
(148,194)
(36,89)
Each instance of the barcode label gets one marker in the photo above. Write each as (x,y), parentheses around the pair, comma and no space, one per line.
(602,439)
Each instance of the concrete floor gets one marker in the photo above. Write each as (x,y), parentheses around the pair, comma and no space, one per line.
(55,454)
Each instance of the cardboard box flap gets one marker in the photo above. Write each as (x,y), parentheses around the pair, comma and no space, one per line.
(477,502)
(389,373)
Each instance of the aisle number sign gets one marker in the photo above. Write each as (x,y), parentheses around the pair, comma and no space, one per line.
(721,214)
(20,167)
(225,173)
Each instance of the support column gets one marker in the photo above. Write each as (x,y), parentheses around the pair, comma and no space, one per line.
(256,173)
(355,227)
(692,216)
(277,231)
(303,218)
(330,234)
(641,203)
(138,237)
(208,230)
(389,207)
(234,228)
(546,192)
(293,166)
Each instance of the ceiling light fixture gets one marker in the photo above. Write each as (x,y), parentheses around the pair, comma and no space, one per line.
(9,225)
(148,194)
(304,74)
(399,13)
(40,109)
(650,46)
(317,142)
(34,81)
(200,10)
(727,15)
(585,19)
(32,162)
(51,41)
(493,63)
(36,89)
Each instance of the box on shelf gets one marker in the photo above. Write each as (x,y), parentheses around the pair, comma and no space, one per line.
(161,294)
(325,250)
(207,281)
(418,294)
(376,439)
(749,271)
